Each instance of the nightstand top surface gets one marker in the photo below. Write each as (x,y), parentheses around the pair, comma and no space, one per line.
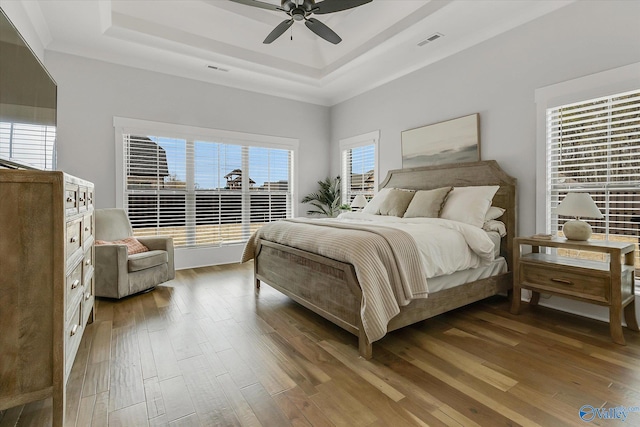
(589,245)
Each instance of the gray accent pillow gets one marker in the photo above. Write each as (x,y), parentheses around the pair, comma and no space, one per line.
(427,203)
(396,202)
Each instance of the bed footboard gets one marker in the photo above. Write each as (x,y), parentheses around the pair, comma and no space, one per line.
(330,289)
(325,286)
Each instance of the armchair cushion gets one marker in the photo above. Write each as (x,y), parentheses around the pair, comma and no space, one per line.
(147,259)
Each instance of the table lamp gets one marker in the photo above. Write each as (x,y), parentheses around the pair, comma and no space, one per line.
(359,202)
(578,205)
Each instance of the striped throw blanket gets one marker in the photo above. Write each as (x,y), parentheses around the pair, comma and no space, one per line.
(386,261)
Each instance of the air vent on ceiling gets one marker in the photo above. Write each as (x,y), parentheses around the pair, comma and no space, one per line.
(213,67)
(431,38)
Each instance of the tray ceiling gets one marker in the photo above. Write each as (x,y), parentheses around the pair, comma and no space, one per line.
(220,41)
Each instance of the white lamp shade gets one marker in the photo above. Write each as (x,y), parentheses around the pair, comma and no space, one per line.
(359,202)
(579,205)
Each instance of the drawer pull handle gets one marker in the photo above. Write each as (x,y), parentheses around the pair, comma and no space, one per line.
(87,296)
(563,281)
(73,239)
(81,199)
(86,229)
(87,262)
(75,284)
(74,330)
(70,199)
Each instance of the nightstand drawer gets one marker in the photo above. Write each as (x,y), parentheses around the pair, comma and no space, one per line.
(593,285)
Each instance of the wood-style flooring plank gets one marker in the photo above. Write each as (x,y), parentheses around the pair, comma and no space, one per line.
(135,415)
(207,349)
(177,402)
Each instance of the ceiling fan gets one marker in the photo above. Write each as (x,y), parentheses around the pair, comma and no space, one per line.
(299,10)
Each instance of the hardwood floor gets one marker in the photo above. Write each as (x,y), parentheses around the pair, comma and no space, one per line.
(205,350)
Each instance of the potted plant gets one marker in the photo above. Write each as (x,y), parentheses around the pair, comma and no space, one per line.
(327,200)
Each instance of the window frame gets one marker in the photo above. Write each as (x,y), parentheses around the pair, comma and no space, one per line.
(124,126)
(366,139)
(599,85)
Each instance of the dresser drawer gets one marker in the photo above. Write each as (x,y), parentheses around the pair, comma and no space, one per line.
(87,227)
(71,196)
(73,336)
(73,236)
(82,198)
(88,295)
(90,198)
(73,289)
(595,286)
(87,261)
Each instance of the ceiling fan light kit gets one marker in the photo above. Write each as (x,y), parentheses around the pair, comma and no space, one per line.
(300,10)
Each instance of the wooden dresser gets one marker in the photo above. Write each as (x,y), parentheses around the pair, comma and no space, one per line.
(46,283)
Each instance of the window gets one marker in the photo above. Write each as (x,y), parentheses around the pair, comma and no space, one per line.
(30,144)
(359,166)
(594,146)
(202,191)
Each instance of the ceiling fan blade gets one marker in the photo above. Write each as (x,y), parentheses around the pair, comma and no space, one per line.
(329,6)
(260,4)
(278,31)
(322,30)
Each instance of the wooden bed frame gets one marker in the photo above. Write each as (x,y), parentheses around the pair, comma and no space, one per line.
(330,288)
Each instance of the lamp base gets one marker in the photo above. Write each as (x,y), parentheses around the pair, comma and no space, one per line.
(576,229)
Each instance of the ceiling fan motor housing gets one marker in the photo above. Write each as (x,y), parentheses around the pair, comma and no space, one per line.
(298,9)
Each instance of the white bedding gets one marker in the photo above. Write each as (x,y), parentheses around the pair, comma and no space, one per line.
(445,246)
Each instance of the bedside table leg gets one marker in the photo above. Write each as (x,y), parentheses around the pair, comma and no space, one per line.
(630,316)
(535,298)
(615,325)
(516,296)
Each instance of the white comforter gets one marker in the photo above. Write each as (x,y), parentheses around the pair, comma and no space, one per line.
(445,246)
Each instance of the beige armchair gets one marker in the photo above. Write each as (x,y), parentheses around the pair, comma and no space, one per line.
(119,274)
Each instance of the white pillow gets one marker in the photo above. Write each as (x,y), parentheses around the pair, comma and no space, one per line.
(373,207)
(469,204)
(494,212)
(493,225)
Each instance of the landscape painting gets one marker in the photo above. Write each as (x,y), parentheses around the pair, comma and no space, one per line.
(451,141)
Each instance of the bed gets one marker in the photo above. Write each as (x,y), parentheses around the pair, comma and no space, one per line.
(330,287)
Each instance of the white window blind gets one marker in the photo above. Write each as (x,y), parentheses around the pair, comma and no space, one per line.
(31,144)
(594,146)
(358,172)
(198,192)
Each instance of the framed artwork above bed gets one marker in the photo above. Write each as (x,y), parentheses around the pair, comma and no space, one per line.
(451,141)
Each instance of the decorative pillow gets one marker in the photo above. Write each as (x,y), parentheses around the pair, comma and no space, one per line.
(469,204)
(373,206)
(427,203)
(396,202)
(494,212)
(133,245)
(493,225)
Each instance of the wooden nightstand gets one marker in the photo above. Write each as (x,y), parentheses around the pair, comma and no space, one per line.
(610,284)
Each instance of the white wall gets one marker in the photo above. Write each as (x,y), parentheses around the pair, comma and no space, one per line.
(91,93)
(20,19)
(498,79)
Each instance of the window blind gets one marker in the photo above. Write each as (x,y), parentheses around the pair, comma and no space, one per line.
(594,146)
(358,172)
(32,144)
(198,192)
